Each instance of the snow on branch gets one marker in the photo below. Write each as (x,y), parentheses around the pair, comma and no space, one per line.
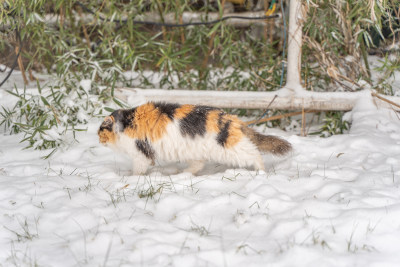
(188,17)
(169,18)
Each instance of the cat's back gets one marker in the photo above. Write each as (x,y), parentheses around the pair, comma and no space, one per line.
(179,131)
(154,120)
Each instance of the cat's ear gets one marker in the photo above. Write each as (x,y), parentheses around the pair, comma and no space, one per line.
(109,119)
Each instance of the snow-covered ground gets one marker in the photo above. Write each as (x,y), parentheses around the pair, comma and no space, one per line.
(334,202)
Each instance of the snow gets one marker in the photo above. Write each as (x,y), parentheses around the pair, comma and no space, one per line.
(333,202)
(86,85)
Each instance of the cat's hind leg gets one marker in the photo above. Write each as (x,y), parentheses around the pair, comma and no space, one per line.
(244,154)
(195,166)
(259,163)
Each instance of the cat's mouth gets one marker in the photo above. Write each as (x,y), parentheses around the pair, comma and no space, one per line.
(103,141)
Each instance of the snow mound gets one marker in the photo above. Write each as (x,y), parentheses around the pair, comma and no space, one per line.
(334,202)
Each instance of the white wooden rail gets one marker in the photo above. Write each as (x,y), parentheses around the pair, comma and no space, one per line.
(286,99)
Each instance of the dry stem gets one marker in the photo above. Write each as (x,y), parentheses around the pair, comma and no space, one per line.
(386,100)
(281,116)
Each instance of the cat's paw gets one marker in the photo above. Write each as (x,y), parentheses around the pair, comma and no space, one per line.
(140,167)
(194,167)
(138,173)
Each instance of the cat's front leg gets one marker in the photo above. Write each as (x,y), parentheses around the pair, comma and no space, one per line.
(143,155)
(140,165)
(195,166)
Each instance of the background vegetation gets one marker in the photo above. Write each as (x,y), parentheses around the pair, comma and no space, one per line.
(62,38)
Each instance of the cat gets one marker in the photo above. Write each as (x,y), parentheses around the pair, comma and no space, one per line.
(186,133)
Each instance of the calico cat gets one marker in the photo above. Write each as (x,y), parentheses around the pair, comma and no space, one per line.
(186,133)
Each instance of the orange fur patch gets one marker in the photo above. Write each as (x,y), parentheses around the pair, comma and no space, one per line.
(183,111)
(148,123)
(212,121)
(235,131)
(106,136)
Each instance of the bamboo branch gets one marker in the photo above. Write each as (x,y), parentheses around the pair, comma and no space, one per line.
(187,17)
(203,17)
(84,29)
(303,122)
(210,44)
(21,64)
(281,116)
(386,100)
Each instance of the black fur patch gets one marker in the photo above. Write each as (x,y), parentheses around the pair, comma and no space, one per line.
(167,108)
(195,122)
(220,116)
(145,147)
(223,133)
(106,126)
(125,117)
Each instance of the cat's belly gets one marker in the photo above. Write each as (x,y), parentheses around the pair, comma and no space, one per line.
(174,146)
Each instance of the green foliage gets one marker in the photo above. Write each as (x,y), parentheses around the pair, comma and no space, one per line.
(389,64)
(79,46)
(100,50)
(337,36)
(333,124)
(46,117)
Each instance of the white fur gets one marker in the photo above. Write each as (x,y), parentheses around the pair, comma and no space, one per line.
(195,166)
(139,161)
(175,147)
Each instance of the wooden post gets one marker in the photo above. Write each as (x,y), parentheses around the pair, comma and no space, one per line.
(295,36)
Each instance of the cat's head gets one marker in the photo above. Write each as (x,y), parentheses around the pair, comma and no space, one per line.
(106,131)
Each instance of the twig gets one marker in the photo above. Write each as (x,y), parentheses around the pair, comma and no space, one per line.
(386,100)
(264,80)
(160,12)
(31,77)
(62,17)
(55,114)
(20,64)
(84,28)
(277,117)
(266,110)
(181,22)
(210,44)
(303,122)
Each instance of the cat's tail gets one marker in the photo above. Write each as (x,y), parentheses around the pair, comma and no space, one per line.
(268,143)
